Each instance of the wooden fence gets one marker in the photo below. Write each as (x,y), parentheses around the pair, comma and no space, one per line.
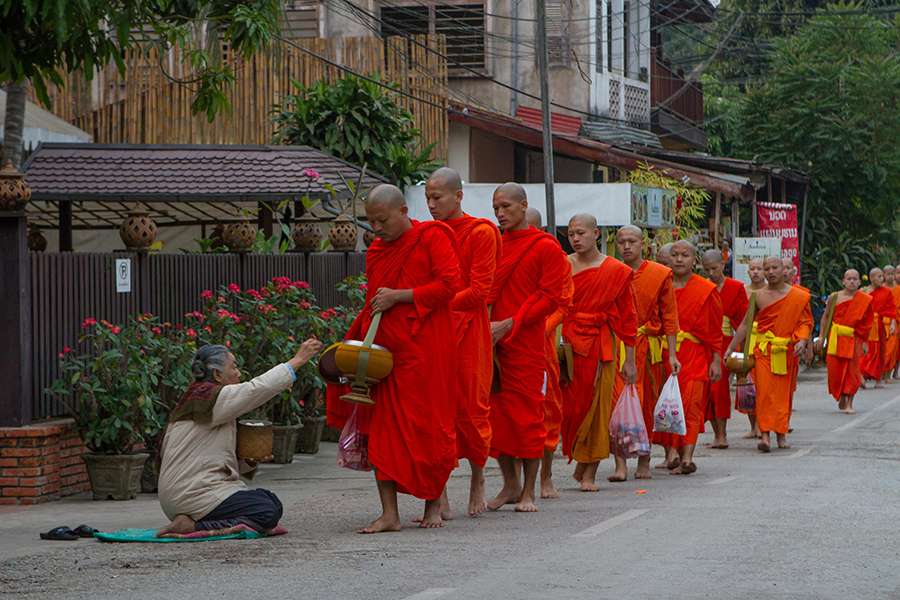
(145,106)
(68,287)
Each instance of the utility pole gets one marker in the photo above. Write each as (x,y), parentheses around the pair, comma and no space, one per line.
(543,59)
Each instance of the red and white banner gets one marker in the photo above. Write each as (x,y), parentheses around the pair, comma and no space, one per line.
(777,220)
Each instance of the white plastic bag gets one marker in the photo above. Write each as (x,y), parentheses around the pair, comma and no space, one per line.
(627,433)
(668,416)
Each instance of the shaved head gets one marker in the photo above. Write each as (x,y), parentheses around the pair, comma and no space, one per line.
(387,212)
(876,277)
(712,263)
(851,280)
(447,178)
(386,193)
(664,255)
(630,244)
(513,191)
(686,245)
(773,267)
(632,229)
(589,221)
(755,272)
(534,218)
(853,272)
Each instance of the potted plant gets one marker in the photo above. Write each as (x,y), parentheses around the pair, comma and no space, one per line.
(108,390)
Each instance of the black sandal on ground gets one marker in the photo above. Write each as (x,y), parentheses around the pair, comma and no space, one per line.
(688,468)
(63,534)
(84,531)
(763,447)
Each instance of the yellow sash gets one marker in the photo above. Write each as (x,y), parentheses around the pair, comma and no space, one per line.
(838,330)
(684,335)
(656,343)
(777,348)
(727,329)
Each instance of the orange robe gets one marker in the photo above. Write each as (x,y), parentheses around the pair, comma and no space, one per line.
(553,398)
(779,327)
(411,426)
(657,317)
(896,291)
(873,364)
(700,317)
(892,342)
(734,307)
(479,248)
(793,360)
(603,305)
(528,287)
(845,345)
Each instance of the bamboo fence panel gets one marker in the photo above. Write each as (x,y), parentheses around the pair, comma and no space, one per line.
(144,105)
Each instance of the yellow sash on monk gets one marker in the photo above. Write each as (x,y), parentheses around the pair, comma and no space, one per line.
(838,330)
(684,335)
(727,329)
(655,342)
(777,348)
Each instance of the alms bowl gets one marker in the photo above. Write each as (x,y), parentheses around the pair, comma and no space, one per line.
(348,354)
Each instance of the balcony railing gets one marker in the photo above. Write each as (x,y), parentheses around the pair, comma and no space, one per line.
(665,83)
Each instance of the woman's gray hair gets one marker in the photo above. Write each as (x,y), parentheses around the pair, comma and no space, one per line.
(209,358)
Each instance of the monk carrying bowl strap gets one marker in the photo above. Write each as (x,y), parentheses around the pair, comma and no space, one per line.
(362,366)
(777,348)
(839,331)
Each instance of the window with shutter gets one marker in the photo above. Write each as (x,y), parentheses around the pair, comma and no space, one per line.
(558,48)
(462,24)
(300,19)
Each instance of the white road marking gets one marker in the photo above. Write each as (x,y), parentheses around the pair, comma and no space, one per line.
(431,594)
(802,452)
(610,523)
(722,480)
(862,418)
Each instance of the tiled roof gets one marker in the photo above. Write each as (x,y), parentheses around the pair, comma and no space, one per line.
(183,172)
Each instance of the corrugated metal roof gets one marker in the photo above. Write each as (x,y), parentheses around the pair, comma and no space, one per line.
(44,126)
(617,133)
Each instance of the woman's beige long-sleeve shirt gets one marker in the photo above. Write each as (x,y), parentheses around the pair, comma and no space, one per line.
(199,466)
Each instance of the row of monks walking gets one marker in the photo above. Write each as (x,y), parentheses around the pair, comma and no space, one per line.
(475,317)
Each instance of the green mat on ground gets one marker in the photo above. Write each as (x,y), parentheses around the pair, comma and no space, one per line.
(149,536)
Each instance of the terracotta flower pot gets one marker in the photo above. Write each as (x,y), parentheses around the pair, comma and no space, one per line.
(14,192)
(239,237)
(138,231)
(306,234)
(115,476)
(343,234)
(36,240)
(309,437)
(284,443)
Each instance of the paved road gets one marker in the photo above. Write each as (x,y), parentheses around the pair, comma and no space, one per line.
(817,521)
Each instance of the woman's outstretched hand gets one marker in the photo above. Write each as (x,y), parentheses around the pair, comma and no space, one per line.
(306,351)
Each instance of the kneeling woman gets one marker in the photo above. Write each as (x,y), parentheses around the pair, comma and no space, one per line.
(199,480)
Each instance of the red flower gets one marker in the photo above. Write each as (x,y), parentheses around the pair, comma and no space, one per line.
(156,330)
(267,309)
(191,333)
(221,299)
(88,322)
(115,329)
(208,329)
(255,294)
(234,288)
(65,351)
(363,286)
(228,343)
(302,285)
(312,174)
(206,294)
(328,314)
(196,315)
(304,304)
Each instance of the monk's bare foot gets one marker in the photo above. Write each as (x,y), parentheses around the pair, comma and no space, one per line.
(720,443)
(504,497)
(643,472)
(432,519)
(382,524)
(526,506)
(749,435)
(578,475)
(589,486)
(763,447)
(618,477)
(181,524)
(848,411)
(662,466)
(548,490)
(477,502)
(782,442)
(677,470)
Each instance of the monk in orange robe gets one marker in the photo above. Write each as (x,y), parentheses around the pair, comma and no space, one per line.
(896,291)
(783,323)
(734,307)
(884,325)
(479,247)
(848,330)
(657,317)
(757,282)
(698,345)
(528,288)
(413,275)
(892,345)
(553,394)
(603,307)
